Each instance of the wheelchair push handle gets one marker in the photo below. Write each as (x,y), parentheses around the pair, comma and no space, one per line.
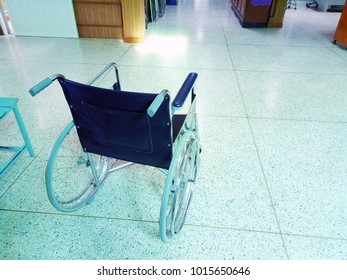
(40,86)
(43,84)
(152,109)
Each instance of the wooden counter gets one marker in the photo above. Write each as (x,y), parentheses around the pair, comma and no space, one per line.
(259,13)
(250,15)
(119,19)
(134,25)
(99,18)
(278,9)
(341,30)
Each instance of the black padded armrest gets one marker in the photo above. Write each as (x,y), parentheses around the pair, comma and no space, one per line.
(185,89)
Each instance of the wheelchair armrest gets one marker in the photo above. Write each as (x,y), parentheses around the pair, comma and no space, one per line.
(185,89)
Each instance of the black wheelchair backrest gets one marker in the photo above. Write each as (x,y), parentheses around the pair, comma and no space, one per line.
(116,124)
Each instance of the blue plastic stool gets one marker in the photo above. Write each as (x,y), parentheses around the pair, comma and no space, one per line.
(6,106)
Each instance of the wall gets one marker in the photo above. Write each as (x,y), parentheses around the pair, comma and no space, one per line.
(324,5)
(49,18)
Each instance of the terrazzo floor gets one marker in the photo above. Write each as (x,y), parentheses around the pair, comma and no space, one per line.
(272,110)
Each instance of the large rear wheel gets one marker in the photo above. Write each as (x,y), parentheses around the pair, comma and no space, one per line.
(69,176)
(179,186)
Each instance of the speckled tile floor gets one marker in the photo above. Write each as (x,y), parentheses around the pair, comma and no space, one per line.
(272,109)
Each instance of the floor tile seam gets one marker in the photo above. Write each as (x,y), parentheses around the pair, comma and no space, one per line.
(268,187)
(274,45)
(262,168)
(206,44)
(137,220)
(223,116)
(237,81)
(126,51)
(193,43)
(314,38)
(37,154)
(160,26)
(270,232)
(290,72)
(174,67)
(327,47)
(72,215)
(333,50)
(298,120)
(196,42)
(169,29)
(57,62)
(50,141)
(17,177)
(314,236)
(229,52)
(274,208)
(232,228)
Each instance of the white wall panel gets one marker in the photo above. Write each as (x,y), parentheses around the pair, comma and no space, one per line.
(51,18)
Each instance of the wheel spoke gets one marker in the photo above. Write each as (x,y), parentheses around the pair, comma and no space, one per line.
(179,192)
(69,177)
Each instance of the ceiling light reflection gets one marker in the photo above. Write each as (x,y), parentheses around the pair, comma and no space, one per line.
(167,47)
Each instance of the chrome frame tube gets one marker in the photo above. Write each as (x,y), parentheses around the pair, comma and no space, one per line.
(95,174)
(102,72)
(165,172)
(112,169)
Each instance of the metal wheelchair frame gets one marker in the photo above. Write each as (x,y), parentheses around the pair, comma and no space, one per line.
(180,176)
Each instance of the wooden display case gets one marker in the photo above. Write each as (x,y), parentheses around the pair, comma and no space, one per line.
(252,13)
(341,30)
(119,19)
(99,18)
(278,9)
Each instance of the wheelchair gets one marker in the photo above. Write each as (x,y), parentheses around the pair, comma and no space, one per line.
(112,129)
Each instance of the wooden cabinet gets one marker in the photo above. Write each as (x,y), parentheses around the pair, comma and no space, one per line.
(278,9)
(341,30)
(239,7)
(260,13)
(119,19)
(99,18)
(134,23)
(252,13)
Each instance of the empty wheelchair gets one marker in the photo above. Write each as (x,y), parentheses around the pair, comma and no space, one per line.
(111,129)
